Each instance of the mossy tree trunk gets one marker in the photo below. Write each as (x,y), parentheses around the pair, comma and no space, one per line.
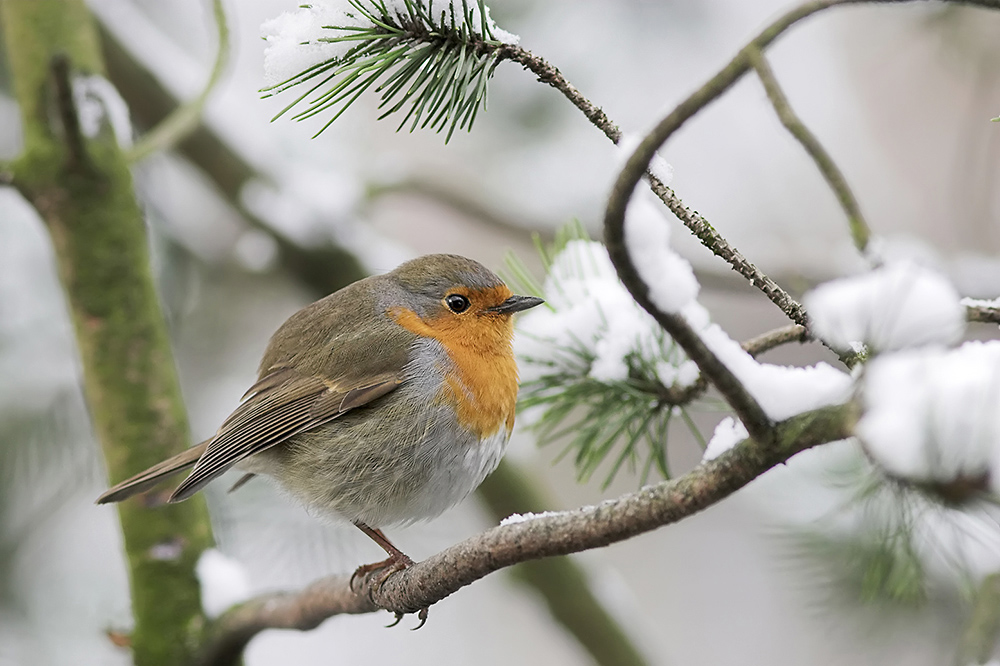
(82,188)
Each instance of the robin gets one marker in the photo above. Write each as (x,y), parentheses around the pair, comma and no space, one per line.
(384,403)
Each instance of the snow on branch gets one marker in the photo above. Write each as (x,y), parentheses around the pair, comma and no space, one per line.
(438,59)
(560,533)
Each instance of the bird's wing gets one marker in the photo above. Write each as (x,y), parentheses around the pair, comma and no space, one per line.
(283,403)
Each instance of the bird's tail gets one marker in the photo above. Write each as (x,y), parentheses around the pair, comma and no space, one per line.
(145,480)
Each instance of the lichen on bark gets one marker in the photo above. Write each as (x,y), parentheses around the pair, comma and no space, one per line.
(82,189)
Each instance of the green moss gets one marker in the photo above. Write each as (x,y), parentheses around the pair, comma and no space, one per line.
(130,381)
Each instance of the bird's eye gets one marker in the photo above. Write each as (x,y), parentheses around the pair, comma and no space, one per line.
(457,303)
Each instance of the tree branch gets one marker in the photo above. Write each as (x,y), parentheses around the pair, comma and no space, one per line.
(185,119)
(697,224)
(742,402)
(562,533)
(710,91)
(779,336)
(827,167)
(982,314)
(324,270)
(637,166)
(82,190)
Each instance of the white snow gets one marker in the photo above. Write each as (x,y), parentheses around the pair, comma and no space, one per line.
(728,434)
(658,166)
(589,310)
(900,305)
(224,582)
(668,276)
(980,303)
(782,391)
(98,103)
(296,39)
(931,414)
(515,518)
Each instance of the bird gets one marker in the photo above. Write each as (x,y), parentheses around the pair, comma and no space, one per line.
(384,403)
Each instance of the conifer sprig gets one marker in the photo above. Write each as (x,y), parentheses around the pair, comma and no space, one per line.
(436,59)
(603,423)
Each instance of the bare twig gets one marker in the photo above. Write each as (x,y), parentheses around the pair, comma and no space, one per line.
(779,336)
(550,74)
(697,224)
(982,314)
(827,167)
(979,641)
(441,575)
(186,118)
(636,167)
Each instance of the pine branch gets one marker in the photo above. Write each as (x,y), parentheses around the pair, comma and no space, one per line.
(437,63)
(81,187)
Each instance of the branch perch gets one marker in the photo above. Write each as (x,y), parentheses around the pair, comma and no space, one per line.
(441,575)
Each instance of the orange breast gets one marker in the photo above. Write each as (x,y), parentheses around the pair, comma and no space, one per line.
(484,385)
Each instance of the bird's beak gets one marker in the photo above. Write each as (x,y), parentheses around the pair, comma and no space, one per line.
(516,304)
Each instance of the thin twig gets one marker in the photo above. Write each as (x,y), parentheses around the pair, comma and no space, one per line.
(637,165)
(550,74)
(713,89)
(982,314)
(186,118)
(441,575)
(860,231)
(697,224)
(779,336)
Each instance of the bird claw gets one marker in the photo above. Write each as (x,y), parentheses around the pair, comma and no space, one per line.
(399,617)
(391,565)
(422,616)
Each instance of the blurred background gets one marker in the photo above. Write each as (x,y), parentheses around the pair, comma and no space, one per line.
(248,219)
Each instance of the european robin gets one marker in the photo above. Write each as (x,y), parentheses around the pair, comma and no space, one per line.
(384,403)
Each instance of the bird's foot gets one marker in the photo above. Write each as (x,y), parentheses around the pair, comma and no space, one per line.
(421,615)
(391,565)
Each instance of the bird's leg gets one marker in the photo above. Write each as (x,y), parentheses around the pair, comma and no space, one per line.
(397,560)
